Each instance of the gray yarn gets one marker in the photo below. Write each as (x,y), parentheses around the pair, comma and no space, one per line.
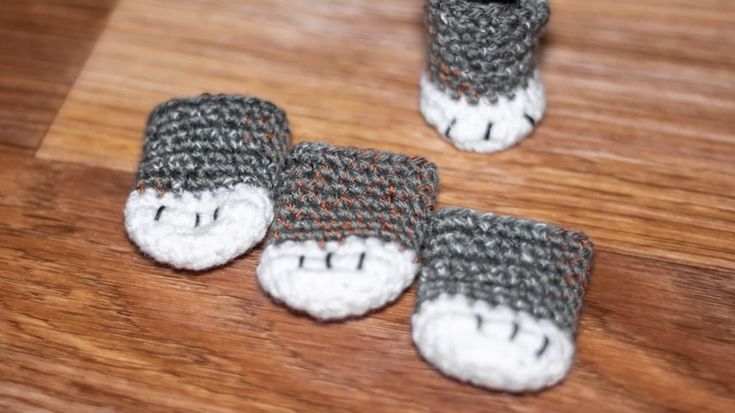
(483,49)
(328,193)
(213,141)
(529,266)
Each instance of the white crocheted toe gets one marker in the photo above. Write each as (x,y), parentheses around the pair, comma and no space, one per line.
(484,127)
(335,280)
(198,231)
(493,347)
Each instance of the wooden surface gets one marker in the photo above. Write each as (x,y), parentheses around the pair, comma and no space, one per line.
(42,46)
(637,149)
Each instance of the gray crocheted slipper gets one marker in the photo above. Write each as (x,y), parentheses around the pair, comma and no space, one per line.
(481,89)
(498,299)
(204,181)
(348,226)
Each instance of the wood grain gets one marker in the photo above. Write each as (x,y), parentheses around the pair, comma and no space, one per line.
(89,324)
(637,149)
(44,44)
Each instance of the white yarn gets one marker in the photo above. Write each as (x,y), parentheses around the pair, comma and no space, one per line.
(449,334)
(243,216)
(470,122)
(342,290)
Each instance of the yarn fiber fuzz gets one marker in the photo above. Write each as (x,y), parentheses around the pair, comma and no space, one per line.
(203,186)
(483,49)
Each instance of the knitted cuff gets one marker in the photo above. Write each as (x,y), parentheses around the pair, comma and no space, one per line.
(533,267)
(498,299)
(483,49)
(348,227)
(212,141)
(203,192)
(329,193)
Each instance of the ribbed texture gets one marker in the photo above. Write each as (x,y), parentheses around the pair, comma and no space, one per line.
(213,141)
(483,49)
(530,266)
(329,193)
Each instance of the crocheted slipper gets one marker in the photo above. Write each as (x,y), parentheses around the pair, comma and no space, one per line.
(481,89)
(348,226)
(498,299)
(203,188)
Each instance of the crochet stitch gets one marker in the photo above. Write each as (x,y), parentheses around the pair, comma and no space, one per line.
(329,193)
(481,89)
(349,224)
(507,278)
(213,141)
(483,49)
(208,166)
(530,266)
